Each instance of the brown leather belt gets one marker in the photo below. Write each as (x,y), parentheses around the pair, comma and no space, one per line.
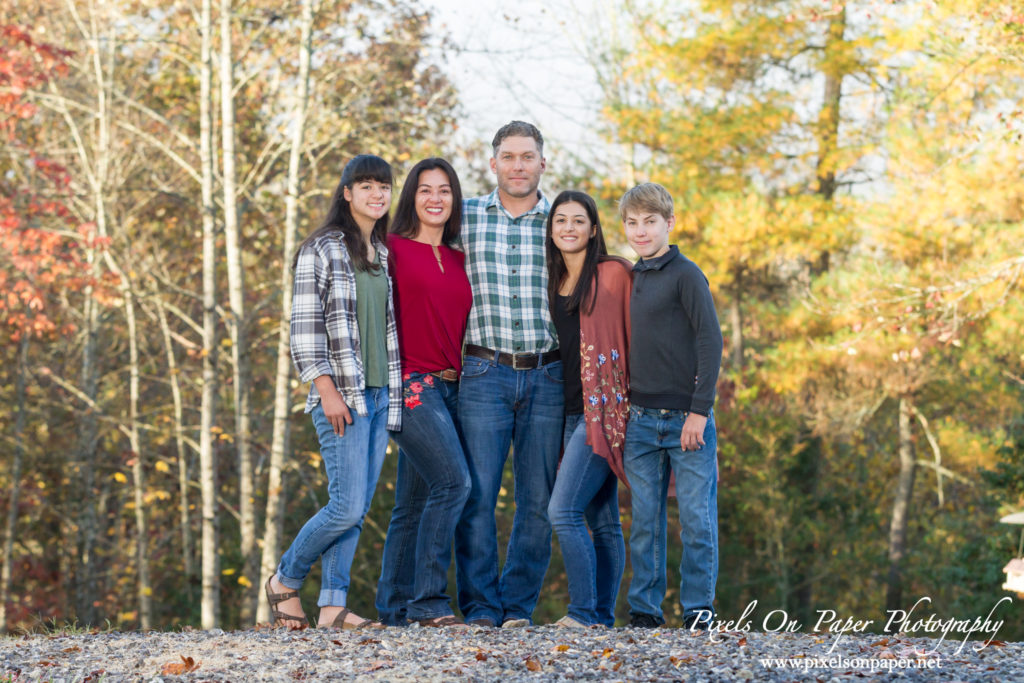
(447,375)
(516,361)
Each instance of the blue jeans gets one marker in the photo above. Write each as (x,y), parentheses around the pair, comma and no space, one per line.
(586,488)
(501,407)
(433,484)
(353,463)
(652,446)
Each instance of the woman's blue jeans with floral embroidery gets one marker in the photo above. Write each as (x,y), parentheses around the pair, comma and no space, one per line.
(433,484)
(586,493)
(353,463)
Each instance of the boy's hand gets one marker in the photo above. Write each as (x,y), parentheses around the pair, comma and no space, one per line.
(692,438)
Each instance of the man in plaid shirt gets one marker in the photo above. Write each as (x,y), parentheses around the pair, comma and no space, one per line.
(511,388)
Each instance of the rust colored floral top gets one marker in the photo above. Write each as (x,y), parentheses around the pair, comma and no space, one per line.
(604,350)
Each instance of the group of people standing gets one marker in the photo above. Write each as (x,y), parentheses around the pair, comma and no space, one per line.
(500,321)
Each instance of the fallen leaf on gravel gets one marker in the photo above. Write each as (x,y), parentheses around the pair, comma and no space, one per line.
(532,664)
(186,665)
(72,649)
(998,643)
(617,665)
(377,665)
(881,643)
(562,648)
(481,657)
(364,641)
(742,641)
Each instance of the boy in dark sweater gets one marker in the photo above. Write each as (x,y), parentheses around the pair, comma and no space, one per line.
(674,358)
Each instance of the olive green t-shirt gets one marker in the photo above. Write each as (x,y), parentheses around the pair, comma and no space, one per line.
(371,312)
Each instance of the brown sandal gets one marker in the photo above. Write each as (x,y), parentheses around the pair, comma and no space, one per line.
(441,622)
(339,622)
(276,599)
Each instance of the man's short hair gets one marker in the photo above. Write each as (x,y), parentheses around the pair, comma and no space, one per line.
(647,198)
(518,129)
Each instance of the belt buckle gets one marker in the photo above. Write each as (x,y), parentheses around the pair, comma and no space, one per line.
(449,375)
(515,361)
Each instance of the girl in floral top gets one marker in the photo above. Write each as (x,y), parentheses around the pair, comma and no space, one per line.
(589,291)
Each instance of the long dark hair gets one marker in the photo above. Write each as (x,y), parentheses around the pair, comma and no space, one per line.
(339,215)
(407,223)
(583,295)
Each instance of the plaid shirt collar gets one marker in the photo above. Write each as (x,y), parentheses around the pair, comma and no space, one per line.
(543,206)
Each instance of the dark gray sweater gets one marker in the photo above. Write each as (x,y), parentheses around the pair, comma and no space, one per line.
(676,344)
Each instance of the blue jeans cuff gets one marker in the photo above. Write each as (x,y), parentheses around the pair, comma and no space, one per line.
(332,598)
(289,582)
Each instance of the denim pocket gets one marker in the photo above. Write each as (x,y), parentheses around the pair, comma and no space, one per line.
(553,371)
(474,367)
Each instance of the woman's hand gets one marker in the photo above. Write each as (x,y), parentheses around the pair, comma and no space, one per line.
(333,404)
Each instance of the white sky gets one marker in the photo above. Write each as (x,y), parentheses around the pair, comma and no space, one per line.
(517,61)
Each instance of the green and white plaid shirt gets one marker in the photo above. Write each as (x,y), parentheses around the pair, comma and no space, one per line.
(506,266)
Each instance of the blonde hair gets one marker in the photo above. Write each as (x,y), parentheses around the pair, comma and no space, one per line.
(647,198)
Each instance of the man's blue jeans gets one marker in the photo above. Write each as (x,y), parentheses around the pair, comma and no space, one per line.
(501,407)
(586,488)
(652,446)
(433,484)
(353,463)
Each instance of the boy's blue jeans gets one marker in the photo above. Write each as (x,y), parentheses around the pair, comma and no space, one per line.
(652,446)
(587,489)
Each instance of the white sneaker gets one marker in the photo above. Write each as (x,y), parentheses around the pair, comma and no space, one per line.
(569,622)
(515,623)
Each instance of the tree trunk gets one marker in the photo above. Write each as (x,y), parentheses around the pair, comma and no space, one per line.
(237,323)
(210,604)
(806,556)
(736,331)
(828,129)
(282,390)
(182,453)
(87,590)
(12,502)
(901,508)
(144,588)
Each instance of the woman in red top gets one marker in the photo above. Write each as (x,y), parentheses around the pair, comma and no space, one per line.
(432,301)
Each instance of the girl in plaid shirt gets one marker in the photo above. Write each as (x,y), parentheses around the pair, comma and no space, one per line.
(344,341)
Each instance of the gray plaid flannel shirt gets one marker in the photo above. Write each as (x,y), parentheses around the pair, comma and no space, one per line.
(325,328)
(505,262)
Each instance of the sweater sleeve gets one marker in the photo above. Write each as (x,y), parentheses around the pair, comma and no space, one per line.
(695,296)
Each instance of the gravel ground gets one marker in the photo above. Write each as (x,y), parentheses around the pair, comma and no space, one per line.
(534,653)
